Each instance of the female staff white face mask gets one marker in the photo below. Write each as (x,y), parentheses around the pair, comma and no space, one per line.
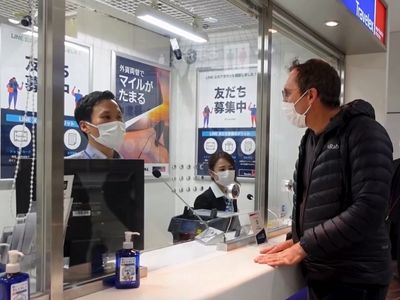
(298,120)
(224,178)
(111,134)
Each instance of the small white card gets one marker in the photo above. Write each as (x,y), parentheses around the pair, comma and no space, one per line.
(257,227)
(68,182)
(255,221)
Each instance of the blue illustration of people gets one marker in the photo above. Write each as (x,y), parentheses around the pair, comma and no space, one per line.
(12,89)
(253,114)
(206,116)
(78,96)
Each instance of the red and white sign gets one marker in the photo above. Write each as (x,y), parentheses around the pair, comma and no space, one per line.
(380,21)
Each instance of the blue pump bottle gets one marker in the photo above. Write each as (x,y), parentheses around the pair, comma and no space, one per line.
(127,272)
(14,284)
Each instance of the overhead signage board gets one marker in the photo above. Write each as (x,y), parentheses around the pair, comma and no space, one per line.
(371,13)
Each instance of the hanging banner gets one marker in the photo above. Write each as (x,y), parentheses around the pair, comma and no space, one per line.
(226,118)
(17,81)
(142,89)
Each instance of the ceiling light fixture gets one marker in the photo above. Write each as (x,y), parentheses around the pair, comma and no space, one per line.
(272,30)
(210,20)
(331,23)
(13,21)
(165,22)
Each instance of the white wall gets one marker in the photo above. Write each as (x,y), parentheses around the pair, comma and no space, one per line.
(365,78)
(393,91)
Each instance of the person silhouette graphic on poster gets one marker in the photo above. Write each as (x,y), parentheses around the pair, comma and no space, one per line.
(206,116)
(253,114)
(12,89)
(78,96)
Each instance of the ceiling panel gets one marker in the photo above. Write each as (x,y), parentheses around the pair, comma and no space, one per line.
(351,37)
(226,14)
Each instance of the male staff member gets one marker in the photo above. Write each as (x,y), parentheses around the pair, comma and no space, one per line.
(100,118)
(341,192)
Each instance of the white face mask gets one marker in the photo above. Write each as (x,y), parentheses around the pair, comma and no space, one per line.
(111,134)
(298,120)
(225,178)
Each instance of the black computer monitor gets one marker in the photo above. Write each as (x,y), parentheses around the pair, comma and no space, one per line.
(108,199)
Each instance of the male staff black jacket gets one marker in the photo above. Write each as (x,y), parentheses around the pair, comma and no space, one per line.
(344,236)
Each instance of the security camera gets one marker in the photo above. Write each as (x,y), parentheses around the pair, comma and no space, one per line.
(26,21)
(190,56)
(175,48)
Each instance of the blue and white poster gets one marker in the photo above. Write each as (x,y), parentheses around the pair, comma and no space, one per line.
(226,118)
(142,89)
(15,134)
(18,77)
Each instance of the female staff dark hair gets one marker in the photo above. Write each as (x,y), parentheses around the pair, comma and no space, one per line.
(221,168)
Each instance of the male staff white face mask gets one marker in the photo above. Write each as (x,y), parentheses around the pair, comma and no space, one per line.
(111,134)
(297,119)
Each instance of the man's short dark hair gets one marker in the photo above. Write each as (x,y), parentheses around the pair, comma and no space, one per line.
(318,74)
(85,109)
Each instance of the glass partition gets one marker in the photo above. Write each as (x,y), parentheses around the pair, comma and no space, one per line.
(179,101)
(215,88)
(161,88)
(20,229)
(284,138)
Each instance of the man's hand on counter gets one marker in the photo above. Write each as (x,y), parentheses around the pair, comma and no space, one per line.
(284,254)
(277,248)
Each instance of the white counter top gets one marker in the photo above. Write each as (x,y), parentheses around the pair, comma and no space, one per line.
(194,271)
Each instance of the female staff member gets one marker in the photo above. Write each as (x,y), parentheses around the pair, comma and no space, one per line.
(221,168)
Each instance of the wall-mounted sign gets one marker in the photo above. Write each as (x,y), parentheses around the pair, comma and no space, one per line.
(372,13)
(226,117)
(142,89)
(18,77)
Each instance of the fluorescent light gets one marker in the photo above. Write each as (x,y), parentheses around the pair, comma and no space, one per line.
(211,20)
(30,33)
(66,43)
(13,21)
(331,23)
(170,24)
(76,47)
(272,30)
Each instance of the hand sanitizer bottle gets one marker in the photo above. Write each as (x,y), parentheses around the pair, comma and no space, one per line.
(127,264)
(14,285)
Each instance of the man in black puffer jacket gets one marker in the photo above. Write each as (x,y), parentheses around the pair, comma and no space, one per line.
(341,191)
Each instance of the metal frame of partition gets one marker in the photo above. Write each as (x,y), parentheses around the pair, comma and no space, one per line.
(263,114)
(50,154)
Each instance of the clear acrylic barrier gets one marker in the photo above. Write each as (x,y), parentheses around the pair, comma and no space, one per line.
(234,229)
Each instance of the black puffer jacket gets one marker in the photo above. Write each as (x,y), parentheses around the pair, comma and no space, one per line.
(345,237)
